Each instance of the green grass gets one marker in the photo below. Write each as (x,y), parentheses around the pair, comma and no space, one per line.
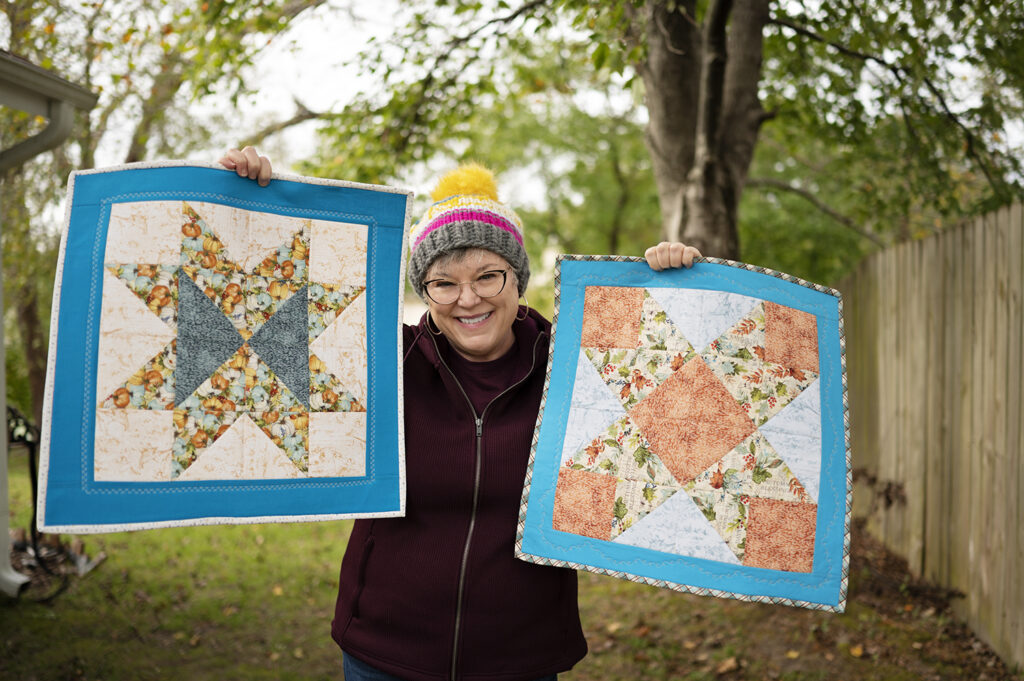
(225,602)
(255,602)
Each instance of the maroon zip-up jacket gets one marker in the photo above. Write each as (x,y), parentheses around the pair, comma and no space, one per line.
(439,594)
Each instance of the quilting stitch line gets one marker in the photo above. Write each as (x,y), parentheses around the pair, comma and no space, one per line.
(90,351)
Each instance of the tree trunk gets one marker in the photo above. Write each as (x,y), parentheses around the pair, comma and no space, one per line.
(705,115)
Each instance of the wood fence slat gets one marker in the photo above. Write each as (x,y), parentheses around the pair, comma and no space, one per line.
(933,289)
(957,330)
(979,472)
(1014,576)
(914,369)
(999,528)
(962,510)
(890,466)
(990,542)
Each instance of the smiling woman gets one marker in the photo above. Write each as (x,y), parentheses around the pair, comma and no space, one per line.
(439,594)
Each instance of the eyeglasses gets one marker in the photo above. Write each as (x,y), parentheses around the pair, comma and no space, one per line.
(486,285)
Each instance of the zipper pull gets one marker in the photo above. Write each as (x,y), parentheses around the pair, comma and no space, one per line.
(479,427)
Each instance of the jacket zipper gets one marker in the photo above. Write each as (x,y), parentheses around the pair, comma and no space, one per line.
(479,420)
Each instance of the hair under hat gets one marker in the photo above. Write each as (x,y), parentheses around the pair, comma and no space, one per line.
(467,214)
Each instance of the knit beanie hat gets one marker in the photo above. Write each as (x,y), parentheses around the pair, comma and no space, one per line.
(467,214)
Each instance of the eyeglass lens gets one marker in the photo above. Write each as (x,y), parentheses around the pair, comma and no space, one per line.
(487,285)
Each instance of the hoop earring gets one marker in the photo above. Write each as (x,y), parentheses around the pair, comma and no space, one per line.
(432,332)
(525,314)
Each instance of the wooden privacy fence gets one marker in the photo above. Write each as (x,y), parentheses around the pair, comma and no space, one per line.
(934,345)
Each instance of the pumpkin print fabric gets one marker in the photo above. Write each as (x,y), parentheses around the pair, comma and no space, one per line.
(230,304)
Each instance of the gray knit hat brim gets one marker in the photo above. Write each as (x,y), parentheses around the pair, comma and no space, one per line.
(467,234)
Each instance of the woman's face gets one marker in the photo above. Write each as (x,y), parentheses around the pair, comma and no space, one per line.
(480,329)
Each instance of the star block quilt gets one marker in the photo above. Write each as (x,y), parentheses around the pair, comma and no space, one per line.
(693,434)
(222,352)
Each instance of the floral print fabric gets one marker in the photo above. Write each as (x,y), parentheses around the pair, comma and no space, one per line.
(691,427)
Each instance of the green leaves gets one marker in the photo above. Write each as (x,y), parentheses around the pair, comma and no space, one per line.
(620,509)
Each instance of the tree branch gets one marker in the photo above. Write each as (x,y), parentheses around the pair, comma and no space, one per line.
(899,72)
(302,114)
(507,19)
(771,183)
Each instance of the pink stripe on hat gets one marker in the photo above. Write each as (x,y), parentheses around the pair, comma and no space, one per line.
(463,215)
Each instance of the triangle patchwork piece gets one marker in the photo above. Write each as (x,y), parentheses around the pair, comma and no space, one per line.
(206,338)
(703,315)
(243,452)
(326,303)
(341,347)
(593,408)
(326,392)
(679,527)
(130,336)
(151,387)
(659,332)
(195,430)
(634,501)
(282,342)
(155,285)
(623,452)
(795,433)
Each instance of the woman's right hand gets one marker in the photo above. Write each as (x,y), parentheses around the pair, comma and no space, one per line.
(248,163)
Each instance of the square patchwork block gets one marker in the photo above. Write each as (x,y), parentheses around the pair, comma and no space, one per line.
(613,317)
(202,372)
(780,535)
(702,448)
(584,503)
(691,420)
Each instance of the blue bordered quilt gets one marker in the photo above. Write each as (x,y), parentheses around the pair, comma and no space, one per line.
(222,352)
(693,433)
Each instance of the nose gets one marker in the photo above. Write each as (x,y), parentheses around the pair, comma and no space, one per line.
(467,296)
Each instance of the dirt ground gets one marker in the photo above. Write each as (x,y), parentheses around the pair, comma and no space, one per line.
(895,628)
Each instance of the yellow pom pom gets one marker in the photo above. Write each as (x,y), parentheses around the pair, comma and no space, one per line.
(471,179)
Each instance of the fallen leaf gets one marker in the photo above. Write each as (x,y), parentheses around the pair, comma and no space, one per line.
(729,664)
(857,650)
(690,645)
(298,654)
(612,627)
(792,654)
(274,657)
(194,641)
(277,590)
(642,630)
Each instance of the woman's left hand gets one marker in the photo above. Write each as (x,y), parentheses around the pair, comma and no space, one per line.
(670,254)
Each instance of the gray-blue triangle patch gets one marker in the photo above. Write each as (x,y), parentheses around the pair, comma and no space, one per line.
(283,343)
(206,338)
